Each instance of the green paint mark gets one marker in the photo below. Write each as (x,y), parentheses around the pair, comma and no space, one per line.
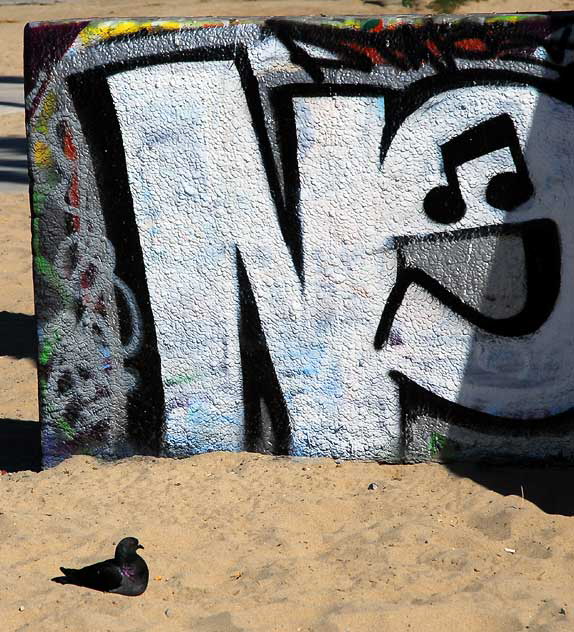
(371,24)
(437,443)
(180,379)
(47,350)
(65,427)
(513,17)
(36,236)
(44,268)
(52,177)
(38,201)
(442,447)
(43,386)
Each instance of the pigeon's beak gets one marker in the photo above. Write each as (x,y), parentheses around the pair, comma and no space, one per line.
(139,546)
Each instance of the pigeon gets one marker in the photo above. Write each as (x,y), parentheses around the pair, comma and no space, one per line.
(126,574)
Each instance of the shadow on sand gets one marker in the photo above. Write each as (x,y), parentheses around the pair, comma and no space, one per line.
(20,447)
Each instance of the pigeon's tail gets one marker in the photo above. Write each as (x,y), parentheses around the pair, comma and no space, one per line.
(68,578)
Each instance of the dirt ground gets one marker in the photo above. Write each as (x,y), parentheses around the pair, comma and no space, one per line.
(243,542)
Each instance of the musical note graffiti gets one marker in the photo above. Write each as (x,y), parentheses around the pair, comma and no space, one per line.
(506,191)
(334,238)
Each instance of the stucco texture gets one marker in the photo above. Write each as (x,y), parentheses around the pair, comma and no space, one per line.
(345,237)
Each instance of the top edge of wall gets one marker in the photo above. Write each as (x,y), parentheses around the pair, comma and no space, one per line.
(344,20)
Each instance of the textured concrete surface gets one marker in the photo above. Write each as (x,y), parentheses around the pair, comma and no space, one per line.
(339,237)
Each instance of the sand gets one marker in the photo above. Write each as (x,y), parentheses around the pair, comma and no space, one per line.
(19,396)
(248,542)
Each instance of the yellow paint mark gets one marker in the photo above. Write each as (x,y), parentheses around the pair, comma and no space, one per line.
(49,106)
(97,31)
(513,17)
(103,30)
(42,154)
(87,34)
(168,25)
(125,28)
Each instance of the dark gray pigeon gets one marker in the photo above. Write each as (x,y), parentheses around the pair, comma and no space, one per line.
(126,574)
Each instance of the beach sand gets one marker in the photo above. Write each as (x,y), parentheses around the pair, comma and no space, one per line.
(249,542)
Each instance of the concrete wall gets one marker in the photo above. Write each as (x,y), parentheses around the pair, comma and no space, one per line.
(345,237)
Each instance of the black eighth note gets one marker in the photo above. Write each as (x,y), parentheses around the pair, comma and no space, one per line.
(506,191)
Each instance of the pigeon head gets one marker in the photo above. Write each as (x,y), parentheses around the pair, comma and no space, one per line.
(127,548)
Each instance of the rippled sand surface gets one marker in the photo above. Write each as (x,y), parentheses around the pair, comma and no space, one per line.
(249,542)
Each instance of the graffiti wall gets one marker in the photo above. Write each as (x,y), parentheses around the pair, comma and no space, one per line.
(338,237)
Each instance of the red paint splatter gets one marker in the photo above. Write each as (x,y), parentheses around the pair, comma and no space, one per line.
(88,276)
(472,44)
(369,52)
(101,307)
(68,145)
(433,48)
(73,193)
(72,223)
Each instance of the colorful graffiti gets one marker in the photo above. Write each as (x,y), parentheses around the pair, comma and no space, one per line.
(344,237)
